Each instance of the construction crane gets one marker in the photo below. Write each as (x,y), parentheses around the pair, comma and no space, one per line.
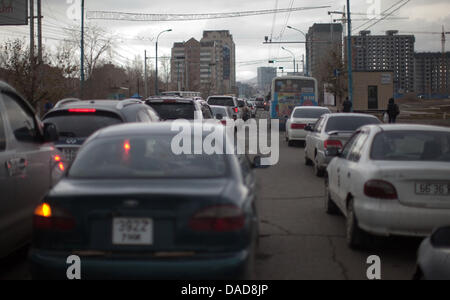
(140,17)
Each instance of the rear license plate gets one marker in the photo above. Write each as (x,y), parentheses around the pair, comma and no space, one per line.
(433,189)
(132,231)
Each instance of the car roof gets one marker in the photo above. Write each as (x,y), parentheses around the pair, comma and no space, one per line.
(171,99)
(342,115)
(222,96)
(408,127)
(311,107)
(133,129)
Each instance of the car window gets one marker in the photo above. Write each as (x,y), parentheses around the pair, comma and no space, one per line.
(411,146)
(153,115)
(308,113)
(350,123)
(144,157)
(174,110)
(2,134)
(319,125)
(81,125)
(358,144)
(142,116)
(219,110)
(348,147)
(221,101)
(206,111)
(22,122)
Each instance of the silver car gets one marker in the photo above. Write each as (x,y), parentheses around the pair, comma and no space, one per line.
(28,165)
(331,131)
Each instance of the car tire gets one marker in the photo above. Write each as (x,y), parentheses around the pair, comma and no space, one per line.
(330,207)
(290,143)
(356,237)
(308,162)
(317,170)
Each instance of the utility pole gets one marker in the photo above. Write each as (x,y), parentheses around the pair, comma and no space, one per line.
(145,75)
(349,54)
(39,30)
(32,61)
(82,52)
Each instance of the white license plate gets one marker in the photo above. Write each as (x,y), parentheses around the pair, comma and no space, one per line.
(132,231)
(433,189)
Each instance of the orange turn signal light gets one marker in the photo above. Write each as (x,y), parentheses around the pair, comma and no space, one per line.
(43,210)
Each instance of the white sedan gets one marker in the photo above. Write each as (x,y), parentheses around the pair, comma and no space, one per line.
(391,180)
(301,117)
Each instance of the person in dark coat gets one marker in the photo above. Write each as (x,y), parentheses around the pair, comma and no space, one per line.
(393,111)
(347,105)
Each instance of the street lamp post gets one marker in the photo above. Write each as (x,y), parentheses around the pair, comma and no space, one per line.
(349,53)
(293,56)
(306,47)
(156,63)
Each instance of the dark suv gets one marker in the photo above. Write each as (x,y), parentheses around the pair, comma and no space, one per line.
(76,120)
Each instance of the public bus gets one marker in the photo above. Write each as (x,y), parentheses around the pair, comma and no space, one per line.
(289,92)
(182,94)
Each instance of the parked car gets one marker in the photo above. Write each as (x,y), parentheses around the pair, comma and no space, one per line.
(171,108)
(433,261)
(391,180)
(29,165)
(230,102)
(131,208)
(76,120)
(300,118)
(331,131)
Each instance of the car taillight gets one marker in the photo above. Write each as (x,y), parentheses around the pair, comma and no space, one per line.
(380,189)
(236,110)
(47,218)
(332,143)
(298,126)
(82,110)
(222,218)
(224,122)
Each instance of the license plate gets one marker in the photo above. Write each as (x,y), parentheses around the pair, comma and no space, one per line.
(132,231)
(433,189)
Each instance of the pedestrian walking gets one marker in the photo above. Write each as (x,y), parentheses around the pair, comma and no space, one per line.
(347,106)
(393,111)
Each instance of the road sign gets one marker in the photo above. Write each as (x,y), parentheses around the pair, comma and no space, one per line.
(13,12)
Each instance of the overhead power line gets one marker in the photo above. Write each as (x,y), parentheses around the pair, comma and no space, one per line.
(139,17)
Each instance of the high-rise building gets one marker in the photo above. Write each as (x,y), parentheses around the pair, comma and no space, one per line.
(321,41)
(432,74)
(265,77)
(391,52)
(207,66)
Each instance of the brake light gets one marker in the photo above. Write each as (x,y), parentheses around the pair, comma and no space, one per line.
(57,158)
(224,122)
(222,218)
(298,126)
(332,143)
(236,110)
(61,166)
(380,189)
(47,218)
(82,110)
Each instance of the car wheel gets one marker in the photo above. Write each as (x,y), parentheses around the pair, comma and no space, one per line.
(317,170)
(308,162)
(330,207)
(356,237)
(290,143)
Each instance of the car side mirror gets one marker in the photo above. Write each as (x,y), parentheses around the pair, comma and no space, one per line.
(219,116)
(309,128)
(50,133)
(441,237)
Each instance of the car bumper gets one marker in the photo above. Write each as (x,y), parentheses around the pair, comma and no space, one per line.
(52,265)
(323,160)
(391,218)
(297,135)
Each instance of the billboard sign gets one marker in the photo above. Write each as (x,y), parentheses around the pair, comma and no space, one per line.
(13,12)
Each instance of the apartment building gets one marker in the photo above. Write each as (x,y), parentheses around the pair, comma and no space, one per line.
(265,77)
(432,74)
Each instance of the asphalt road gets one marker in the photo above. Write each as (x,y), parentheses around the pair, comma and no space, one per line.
(299,241)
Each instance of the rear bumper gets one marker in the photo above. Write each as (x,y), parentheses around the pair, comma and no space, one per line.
(297,135)
(390,217)
(52,265)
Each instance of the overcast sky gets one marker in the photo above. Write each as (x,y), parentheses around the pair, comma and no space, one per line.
(248,32)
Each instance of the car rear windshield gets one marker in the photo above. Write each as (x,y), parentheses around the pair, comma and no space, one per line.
(308,113)
(143,157)
(81,124)
(350,123)
(219,110)
(174,111)
(221,101)
(411,146)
